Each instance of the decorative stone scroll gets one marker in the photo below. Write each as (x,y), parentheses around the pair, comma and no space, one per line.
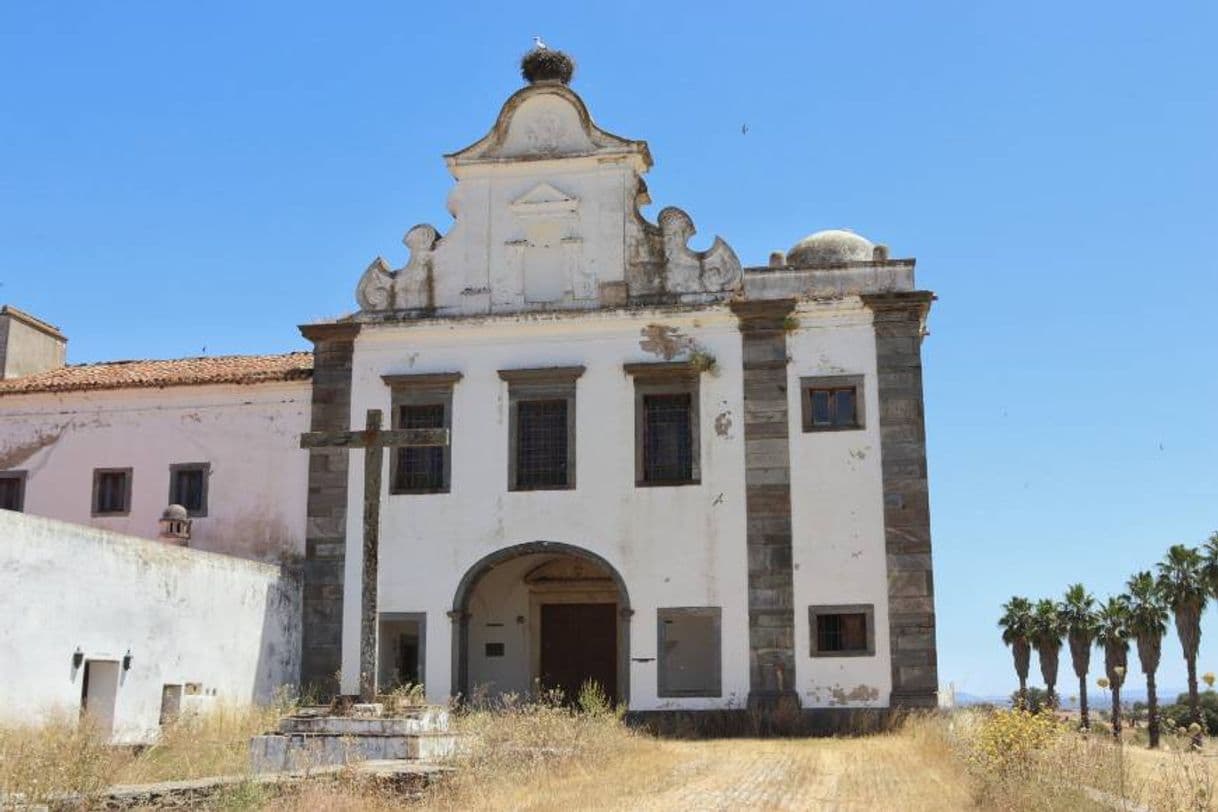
(688,271)
(411,287)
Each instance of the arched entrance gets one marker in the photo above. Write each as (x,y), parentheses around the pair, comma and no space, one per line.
(542,612)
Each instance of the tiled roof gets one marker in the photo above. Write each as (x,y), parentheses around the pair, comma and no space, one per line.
(239,369)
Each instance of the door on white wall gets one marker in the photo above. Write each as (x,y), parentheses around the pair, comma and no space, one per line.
(99,694)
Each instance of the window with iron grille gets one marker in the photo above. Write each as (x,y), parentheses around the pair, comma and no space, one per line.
(541,431)
(667,438)
(842,631)
(188,486)
(666,434)
(421,469)
(832,403)
(111,491)
(541,443)
(12,490)
(422,401)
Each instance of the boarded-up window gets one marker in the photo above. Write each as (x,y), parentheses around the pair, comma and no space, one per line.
(12,490)
(842,631)
(111,491)
(421,469)
(689,651)
(188,486)
(832,403)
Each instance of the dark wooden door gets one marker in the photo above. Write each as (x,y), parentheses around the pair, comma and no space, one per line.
(579,643)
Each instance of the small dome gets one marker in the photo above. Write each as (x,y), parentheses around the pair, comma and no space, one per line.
(175,513)
(832,247)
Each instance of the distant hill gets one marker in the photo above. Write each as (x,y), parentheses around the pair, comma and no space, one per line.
(1096,697)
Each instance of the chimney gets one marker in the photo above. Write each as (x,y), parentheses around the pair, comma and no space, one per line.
(28,345)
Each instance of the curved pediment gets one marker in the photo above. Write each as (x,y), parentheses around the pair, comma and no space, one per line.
(543,121)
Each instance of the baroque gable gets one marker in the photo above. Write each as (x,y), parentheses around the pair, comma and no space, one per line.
(546,216)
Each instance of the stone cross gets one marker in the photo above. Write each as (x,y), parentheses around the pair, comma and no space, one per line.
(374,441)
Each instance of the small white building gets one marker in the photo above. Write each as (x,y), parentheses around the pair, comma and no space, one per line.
(698,484)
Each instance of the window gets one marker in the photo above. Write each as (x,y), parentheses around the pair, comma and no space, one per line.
(541,436)
(422,401)
(688,651)
(111,491)
(665,423)
(188,486)
(12,490)
(842,631)
(832,403)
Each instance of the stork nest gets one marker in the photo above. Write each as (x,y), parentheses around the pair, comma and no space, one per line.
(546,64)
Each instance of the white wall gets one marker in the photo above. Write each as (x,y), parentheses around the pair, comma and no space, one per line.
(249,434)
(673,546)
(186,616)
(837,512)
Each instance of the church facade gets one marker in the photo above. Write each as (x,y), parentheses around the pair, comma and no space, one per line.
(699,485)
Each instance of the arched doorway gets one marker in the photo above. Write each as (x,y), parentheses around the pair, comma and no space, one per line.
(541,613)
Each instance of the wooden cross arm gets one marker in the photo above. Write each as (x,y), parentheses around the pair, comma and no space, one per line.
(394,438)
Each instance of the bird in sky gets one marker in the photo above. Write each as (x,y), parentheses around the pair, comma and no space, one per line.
(744,129)
(538,44)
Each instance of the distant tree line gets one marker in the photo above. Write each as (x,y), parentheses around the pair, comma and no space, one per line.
(1177,591)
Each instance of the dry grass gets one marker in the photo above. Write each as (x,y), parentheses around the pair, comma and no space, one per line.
(66,756)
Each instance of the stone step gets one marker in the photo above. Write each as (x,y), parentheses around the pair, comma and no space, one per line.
(280,752)
(424,720)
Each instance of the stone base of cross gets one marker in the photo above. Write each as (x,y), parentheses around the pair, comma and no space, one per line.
(374,441)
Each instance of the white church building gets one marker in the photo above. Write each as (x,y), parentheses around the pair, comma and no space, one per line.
(701,485)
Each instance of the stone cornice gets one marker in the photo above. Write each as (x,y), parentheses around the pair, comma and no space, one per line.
(330,331)
(762,314)
(542,374)
(421,380)
(664,370)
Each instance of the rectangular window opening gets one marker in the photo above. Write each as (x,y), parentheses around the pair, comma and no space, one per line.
(832,403)
(421,469)
(842,630)
(541,443)
(188,486)
(668,438)
(12,491)
(111,491)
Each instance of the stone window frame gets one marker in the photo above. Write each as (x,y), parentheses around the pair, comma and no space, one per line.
(541,383)
(205,467)
(129,474)
(865,609)
(423,389)
(666,378)
(811,382)
(22,478)
(713,612)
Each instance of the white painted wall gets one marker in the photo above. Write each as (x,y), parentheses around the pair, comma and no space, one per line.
(250,435)
(674,546)
(230,624)
(837,502)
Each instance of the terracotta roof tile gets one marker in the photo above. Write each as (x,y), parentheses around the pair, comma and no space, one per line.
(238,369)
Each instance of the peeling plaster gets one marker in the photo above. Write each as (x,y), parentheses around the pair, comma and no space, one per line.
(16,453)
(723,424)
(664,341)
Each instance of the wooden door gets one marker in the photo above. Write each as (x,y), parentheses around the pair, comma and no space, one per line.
(579,643)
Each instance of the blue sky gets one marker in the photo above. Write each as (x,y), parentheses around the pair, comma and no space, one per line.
(175,176)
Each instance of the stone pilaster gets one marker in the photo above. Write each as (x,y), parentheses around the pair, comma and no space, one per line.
(326,528)
(899,320)
(767,481)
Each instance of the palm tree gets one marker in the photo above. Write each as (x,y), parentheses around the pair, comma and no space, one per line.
(1112,632)
(1046,637)
(1077,612)
(1148,623)
(1016,625)
(1182,579)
